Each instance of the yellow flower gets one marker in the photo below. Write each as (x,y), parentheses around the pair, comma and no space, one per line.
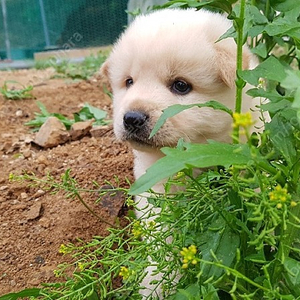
(279,194)
(151,225)
(63,249)
(189,256)
(130,202)
(125,273)
(242,119)
(293,203)
(137,229)
(81,266)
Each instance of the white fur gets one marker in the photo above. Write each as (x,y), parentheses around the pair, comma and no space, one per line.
(158,49)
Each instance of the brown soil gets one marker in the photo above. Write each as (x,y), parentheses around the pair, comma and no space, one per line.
(34,222)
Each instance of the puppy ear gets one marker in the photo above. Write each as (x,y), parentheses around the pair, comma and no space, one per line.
(226,62)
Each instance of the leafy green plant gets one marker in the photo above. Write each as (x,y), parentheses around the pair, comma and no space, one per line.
(10,90)
(81,70)
(88,112)
(234,227)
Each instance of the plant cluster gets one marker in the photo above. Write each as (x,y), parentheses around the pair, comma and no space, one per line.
(233,231)
(13,90)
(87,112)
(81,70)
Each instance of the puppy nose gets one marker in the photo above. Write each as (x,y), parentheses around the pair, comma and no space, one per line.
(134,120)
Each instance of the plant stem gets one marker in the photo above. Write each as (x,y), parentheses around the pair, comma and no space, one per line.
(240,83)
(91,211)
(286,241)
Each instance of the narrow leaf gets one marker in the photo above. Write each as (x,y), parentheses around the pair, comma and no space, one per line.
(173,110)
(196,155)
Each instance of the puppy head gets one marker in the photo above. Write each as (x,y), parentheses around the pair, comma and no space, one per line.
(171,57)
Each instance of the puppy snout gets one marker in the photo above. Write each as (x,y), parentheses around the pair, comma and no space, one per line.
(134,120)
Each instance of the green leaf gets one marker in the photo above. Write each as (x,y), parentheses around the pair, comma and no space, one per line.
(89,112)
(270,69)
(283,27)
(285,5)
(196,155)
(224,5)
(292,275)
(260,50)
(196,291)
(35,292)
(272,95)
(173,110)
(273,107)
(223,242)
(281,135)
(292,82)
(42,108)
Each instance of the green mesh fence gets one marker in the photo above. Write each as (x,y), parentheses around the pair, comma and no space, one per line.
(27,26)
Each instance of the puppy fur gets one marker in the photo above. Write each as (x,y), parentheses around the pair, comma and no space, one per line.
(172,57)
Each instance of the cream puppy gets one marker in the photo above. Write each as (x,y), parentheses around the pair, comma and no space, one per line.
(172,57)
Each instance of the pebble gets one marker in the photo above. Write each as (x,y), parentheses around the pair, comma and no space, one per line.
(41,159)
(19,113)
(34,211)
(24,195)
(26,153)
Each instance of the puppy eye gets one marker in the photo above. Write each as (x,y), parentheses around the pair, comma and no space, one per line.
(181,87)
(129,82)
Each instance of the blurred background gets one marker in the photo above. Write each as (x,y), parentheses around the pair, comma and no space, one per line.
(32,26)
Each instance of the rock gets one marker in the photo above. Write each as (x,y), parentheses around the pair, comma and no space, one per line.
(26,153)
(80,129)
(34,211)
(52,133)
(24,195)
(99,131)
(41,159)
(19,113)
(44,222)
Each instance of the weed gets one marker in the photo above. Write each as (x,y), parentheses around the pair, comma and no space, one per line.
(88,112)
(15,93)
(81,70)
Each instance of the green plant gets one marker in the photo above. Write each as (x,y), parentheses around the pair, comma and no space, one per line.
(235,227)
(81,70)
(14,93)
(88,112)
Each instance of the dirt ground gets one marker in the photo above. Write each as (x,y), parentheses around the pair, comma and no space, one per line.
(33,221)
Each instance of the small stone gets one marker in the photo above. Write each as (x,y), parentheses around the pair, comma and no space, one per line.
(13,282)
(3,187)
(34,211)
(28,139)
(19,113)
(26,153)
(39,260)
(51,133)
(24,196)
(41,159)
(81,129)
(99,131)
(44,222)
